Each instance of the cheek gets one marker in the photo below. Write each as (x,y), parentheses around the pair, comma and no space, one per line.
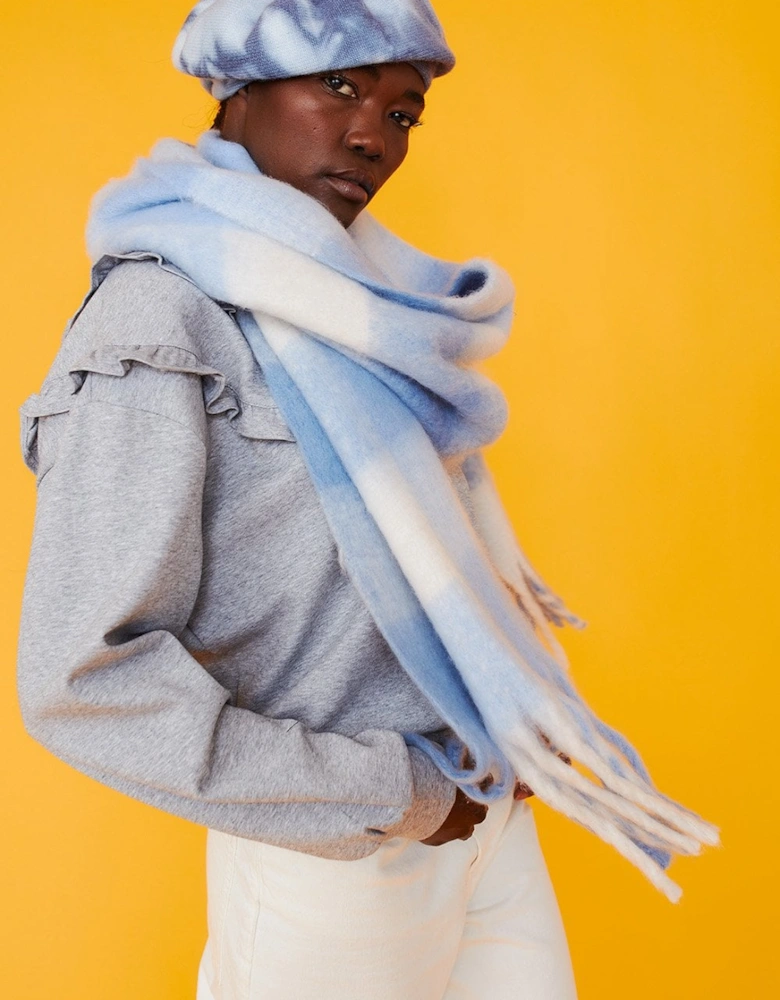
(286,153)
(396,151)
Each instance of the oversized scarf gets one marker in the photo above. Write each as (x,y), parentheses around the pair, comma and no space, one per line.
(370,349)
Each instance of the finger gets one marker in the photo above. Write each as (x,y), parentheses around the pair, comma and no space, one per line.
(522,791)
(486,783)
(564,756)
(476,810)
(476,815)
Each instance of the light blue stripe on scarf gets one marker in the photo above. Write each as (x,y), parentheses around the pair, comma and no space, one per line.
(369,348)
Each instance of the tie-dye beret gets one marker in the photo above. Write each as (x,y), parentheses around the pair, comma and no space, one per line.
(229,43)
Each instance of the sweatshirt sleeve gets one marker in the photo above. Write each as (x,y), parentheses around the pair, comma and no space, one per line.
(105,683)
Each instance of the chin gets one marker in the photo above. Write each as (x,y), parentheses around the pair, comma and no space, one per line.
(344,218)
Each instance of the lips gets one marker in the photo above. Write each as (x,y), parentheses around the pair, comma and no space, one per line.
(354,185)
(360,177)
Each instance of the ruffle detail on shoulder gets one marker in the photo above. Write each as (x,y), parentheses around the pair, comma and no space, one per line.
(258,420)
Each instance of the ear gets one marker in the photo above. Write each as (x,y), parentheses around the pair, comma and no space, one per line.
(234,121)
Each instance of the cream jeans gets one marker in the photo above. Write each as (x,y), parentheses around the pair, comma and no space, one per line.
(470,920)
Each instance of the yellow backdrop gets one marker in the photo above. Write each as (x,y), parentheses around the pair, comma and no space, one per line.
(621,161)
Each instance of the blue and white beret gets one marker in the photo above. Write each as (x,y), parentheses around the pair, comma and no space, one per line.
(229,43)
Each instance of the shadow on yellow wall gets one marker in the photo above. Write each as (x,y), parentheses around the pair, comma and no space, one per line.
(621,162)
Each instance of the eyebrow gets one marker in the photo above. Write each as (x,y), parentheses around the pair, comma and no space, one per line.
(412,95)
(415,97)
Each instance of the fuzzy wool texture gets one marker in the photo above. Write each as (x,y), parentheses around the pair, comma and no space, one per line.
(229,43)
(369,348)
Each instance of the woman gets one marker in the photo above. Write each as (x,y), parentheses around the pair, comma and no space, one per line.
(271,588)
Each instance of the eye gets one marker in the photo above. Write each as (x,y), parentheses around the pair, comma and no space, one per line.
(340,85)
(406,121)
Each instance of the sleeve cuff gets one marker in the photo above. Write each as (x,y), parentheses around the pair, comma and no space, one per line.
(432,799)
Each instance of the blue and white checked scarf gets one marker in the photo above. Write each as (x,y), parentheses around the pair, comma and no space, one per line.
(229,43)
(369,349)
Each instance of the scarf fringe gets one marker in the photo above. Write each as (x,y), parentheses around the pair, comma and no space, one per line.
(620,806)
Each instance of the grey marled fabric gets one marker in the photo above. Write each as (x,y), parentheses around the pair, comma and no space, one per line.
(188,636)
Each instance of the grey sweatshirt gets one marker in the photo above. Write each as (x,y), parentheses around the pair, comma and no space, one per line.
(188,636)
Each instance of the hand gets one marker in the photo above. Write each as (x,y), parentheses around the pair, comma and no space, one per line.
(460,823)
(522,791)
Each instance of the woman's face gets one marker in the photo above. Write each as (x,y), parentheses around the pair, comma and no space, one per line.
(337,136)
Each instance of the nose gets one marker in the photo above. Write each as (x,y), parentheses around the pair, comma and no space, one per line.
(364,136)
